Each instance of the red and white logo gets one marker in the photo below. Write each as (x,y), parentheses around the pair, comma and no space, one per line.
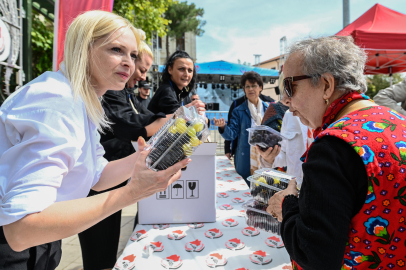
(213,233)
(195,225)
(250,231)
(215,259)
(177,235)
(127,263)
(222,195)
(233,190)
(160,226)
(153,246)
(230,222)
(172,262)
(260,257)
(195,246)
(274,241)
(225,207)
(237,200)
(241,213)
(235,244)
(138,235)
(246,194)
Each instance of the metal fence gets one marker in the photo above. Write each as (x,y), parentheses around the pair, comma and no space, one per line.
(214,133)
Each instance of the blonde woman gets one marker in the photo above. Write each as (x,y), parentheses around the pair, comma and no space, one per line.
(50,155)
(130,120)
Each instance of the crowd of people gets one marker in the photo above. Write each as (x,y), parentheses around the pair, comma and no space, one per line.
(68,165)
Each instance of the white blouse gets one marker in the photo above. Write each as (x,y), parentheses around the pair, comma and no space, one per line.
(50,150)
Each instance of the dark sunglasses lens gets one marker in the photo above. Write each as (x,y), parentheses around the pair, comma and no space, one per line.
(288,87)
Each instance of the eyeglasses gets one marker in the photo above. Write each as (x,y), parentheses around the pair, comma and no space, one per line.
(253,87)
(287,83)
(193,99)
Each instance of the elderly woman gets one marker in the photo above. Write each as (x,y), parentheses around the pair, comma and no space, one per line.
(250,113)
(50,155)
(350,210)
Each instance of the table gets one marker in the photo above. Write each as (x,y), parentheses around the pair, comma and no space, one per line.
(228,243)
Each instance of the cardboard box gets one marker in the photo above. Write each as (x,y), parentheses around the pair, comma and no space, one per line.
(188,200)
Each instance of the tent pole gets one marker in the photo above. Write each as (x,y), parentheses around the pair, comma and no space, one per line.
(390,76)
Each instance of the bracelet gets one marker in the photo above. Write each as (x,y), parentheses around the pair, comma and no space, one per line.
(287,196)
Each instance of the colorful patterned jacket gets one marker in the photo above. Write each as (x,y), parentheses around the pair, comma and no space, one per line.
(376,238)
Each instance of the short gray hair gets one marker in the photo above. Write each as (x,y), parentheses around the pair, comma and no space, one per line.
(336,55)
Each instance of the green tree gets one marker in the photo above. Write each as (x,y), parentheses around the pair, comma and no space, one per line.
(379,82)
(145,14)
(183,18)
(42,38)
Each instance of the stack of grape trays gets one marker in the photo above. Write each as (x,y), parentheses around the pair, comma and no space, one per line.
(177,139)
(264,184)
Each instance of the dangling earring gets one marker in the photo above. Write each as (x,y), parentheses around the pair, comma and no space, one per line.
(326,101)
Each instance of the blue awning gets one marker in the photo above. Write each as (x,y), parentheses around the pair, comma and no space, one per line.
(227,68)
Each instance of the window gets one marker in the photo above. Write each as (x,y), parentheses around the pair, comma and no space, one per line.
(159,43)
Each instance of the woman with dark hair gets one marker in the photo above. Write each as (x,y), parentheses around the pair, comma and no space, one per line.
(178,80)
(249,113)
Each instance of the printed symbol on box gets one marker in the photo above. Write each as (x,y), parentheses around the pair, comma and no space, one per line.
(177,190)
(192,189)
(163,195)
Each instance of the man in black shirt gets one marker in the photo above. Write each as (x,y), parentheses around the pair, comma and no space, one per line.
(143,93)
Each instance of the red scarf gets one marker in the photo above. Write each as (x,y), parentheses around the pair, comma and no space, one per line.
(335,107)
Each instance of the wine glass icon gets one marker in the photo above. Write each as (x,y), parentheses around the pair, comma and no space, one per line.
(192,186)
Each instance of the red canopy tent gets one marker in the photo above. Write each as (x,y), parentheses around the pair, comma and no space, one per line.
(382,33)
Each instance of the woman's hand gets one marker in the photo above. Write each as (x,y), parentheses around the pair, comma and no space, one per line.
(199,105)
(145,182)
(270,154)
(275,202)
(221,123)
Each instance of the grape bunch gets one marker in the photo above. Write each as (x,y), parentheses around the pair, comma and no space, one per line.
(176,144)
(260,219)
(264,139)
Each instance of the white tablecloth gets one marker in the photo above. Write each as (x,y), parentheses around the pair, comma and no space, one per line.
(201,246)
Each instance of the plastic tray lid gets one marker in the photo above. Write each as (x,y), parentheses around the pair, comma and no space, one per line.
(250,205)
(255,182)
(262,127)
(274,173)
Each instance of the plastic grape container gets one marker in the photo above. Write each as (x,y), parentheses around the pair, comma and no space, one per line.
(257,217)
(266,182)
(177,139)
(264,137)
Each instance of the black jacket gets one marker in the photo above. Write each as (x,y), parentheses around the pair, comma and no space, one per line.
(127,124)
(231,146)
(168,98)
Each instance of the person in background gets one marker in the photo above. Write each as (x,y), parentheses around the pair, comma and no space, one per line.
(50,155)
(391,96)
(129,121)
(178,80)
(250,113)
(350,212)
(298,139)
(231,146)
(143,93)
(194,96)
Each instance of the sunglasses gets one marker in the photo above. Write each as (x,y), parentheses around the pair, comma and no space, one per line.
(287,83)
(193,99)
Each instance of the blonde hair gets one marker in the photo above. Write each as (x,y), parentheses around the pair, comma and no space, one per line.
(82,33)
(144,49)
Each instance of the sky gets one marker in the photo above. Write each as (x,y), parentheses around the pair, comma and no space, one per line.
(238,29)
